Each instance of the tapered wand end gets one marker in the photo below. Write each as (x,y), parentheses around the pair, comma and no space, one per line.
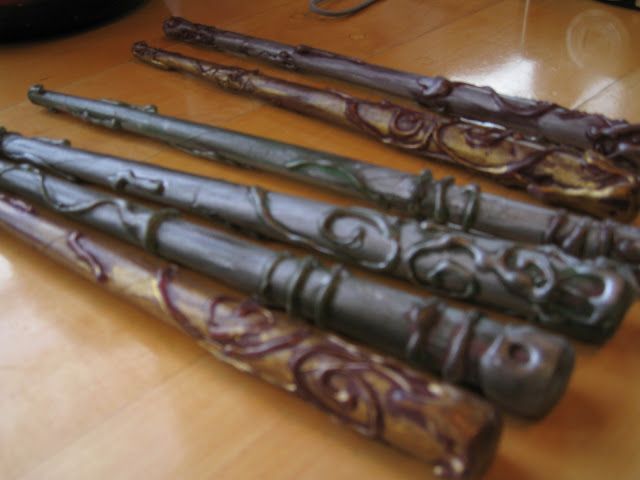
(141,50)
(178,27)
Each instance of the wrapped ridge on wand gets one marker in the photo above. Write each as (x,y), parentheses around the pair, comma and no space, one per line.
(420,196)
(617,139)
(452,430)
(585,181)
(519,367)
(539,283)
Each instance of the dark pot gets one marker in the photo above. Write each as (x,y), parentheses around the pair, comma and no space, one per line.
(29,19)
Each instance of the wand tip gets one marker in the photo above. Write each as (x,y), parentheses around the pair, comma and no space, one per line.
(140,49)
(139,45)
(175,22)
(36,89)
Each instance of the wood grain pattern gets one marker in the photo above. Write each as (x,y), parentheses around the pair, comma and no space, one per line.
(91,388)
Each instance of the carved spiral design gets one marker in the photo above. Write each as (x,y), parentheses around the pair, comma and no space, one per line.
(525,270)
(349,246)
(336,381)
(248,330)
(408,127)
(544,277)
(446,271)
(357,390)
(353,243)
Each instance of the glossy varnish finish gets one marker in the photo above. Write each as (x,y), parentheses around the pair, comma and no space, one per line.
(93,388)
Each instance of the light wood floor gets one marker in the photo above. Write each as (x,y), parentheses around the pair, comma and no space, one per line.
(92,388)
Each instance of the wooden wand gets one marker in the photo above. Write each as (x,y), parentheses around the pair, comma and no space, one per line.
(583,180)
(419,196)
(452,430)
(616,139)
(519,367)
(539,283)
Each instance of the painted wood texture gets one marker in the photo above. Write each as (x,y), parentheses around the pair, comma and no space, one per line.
(93,388)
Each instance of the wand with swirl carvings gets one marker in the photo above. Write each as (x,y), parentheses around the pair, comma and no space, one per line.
(519,367)
(419,196)
(539,283)
(617,139)
(452,430)
(583,180)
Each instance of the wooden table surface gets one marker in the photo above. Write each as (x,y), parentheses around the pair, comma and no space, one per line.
(90,387)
